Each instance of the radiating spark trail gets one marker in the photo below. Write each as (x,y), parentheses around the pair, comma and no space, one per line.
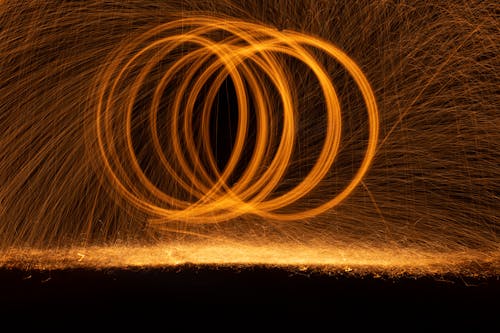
(259,132)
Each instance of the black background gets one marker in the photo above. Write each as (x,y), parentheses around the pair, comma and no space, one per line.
(190,295)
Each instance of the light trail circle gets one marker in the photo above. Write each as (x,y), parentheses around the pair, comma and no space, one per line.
(247,54)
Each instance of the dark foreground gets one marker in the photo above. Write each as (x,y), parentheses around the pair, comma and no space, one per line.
(246,294)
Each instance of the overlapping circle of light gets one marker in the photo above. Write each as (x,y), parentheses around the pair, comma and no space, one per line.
(246,48)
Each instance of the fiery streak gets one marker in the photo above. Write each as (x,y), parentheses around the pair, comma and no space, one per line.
(215,200)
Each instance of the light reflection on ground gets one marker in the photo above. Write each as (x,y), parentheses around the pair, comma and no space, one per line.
(387,261)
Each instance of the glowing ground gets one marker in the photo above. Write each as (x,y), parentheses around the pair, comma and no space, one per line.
(307,284)
(385,261)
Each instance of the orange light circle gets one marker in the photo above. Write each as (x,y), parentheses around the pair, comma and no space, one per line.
(247,47)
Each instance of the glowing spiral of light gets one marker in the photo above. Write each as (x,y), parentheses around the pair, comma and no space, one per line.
(208,63)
